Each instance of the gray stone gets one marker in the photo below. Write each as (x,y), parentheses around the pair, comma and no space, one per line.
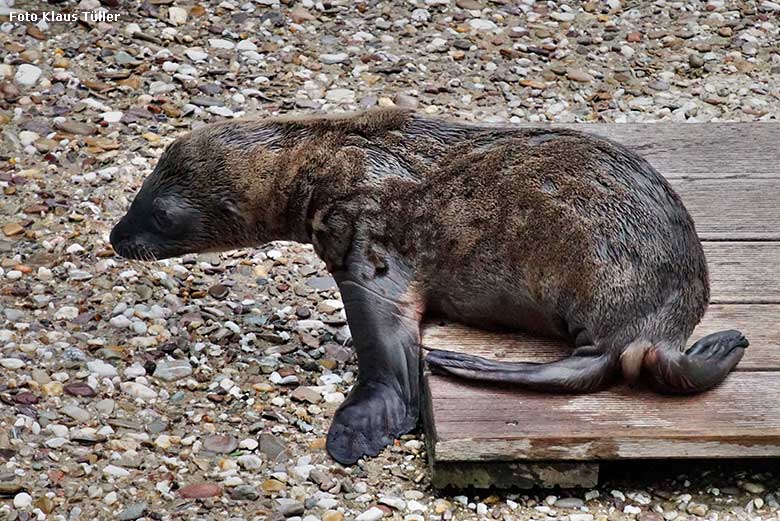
(132,512)
(172,370)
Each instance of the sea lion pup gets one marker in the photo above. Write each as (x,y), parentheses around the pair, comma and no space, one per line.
(547,230)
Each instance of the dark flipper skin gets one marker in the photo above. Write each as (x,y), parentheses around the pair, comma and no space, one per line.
(385,401)
(700,368)
(585,371)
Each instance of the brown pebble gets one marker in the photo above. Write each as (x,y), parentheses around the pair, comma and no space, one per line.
(79,389)
(218,291)
(12,229)
(634,37)
(25,398)
(45,504)
(200,490)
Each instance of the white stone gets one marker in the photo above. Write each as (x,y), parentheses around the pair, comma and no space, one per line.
(55,443)
(177,15)
(11,363)
(160,87)
(112,117)
(22,500)
(220,111)
(248,444)
(480,24)
(135,370)
(421,15)
(139,390)
(340,96)
(372,514)
(27,138)
(27,75)
(250,462)
(102,368)
(246,45)
(219,43)
(330,59)
(120,322)
(562,17)
(580,517)
(394,502)
(196,54)
(333,397)
(114,471)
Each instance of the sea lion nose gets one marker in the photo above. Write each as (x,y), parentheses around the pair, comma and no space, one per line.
(118,233)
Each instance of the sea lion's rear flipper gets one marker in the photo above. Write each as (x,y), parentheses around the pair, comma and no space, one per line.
(588,369)
(701,367)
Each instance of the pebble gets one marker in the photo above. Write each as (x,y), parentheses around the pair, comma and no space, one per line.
(200,490)
(137,365)
(22,500)
(12,363)
(372,514)
(220,443)
(102,368)
(196,54)
(753,488)
(569,502)
(115,472)
(219,43)
(289,507)
(334,58)
(177,15)
(480,24)
(172,370)
(138,390)
(27,74)
(340,96)
(578,75)
(244,493)
(132,512)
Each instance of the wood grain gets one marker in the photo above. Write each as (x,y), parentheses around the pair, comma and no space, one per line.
(756,321)
(706,148)
(744,272)
(740,418)
(732,209)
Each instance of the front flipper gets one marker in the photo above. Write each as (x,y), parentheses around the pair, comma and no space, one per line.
(701,367)
(384,318)
(588,369)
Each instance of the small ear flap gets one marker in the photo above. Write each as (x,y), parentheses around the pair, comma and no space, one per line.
(230,206)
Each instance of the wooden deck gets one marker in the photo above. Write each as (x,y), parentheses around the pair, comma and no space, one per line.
(728,175)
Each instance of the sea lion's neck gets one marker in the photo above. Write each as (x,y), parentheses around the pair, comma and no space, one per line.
(344,167)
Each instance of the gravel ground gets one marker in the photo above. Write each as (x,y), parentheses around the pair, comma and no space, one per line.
(202,387)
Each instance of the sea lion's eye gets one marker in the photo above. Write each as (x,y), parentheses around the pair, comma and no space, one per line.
(161,218)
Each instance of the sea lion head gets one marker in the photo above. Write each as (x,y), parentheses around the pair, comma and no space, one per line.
(193,201)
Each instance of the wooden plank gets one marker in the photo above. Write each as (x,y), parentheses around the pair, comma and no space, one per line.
(707,148)
(501,474)
(740,418)
(757,321)
(744,272)
(732,209)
